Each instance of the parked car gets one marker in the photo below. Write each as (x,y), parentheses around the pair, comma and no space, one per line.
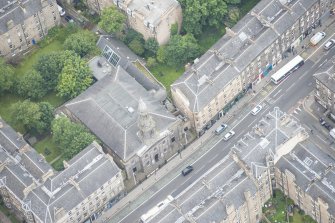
(256,109)
(187,170)
(69,19)
(327,126)
(328,45)
(220,129)
(230,134)
(322,121)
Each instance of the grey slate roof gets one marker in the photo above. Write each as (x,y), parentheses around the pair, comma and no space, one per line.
(109,109)
(325,75)
(251,39)
(227,180)
(90,169)
(13,11)
(127,57)
(309,163)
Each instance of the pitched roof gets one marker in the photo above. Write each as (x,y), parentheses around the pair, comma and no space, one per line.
(109,109)
(203,82)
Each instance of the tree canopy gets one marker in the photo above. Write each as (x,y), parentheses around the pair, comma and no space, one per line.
(26,113)
(6,76)
(151,45)
(33,116)
(75,77)
(136,46)
(81,42)
(50,66)
(179,50)
(197,14)
(112,20)
(31,85)
(71,137)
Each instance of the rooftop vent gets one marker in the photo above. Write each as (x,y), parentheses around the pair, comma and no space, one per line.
(130,110)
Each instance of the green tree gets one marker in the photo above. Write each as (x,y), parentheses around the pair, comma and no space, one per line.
(161,54)
(197,14)
(74,78)
(71,137)
(44,123)
(137,47)
(174,29)
(112,20)
(234,2)
(31,85)
(131,35)
(26,113)
(151,45)
(50,66)
(82,42)
(234,15)
(181,49)
(151,62)
(6,76)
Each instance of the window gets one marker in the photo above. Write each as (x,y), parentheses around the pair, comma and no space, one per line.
(110,55)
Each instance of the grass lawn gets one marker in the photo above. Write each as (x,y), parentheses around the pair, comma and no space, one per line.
(6,101)
(166,75)
(246,6)
(47,143)
(210,36)
(32,58)
(53,99)
(276,210)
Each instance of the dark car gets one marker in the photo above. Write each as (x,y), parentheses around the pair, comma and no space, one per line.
(187,170)
(327,126)
(322,121)
(68,19)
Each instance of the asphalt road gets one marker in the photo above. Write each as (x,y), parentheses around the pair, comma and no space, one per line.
(288,95)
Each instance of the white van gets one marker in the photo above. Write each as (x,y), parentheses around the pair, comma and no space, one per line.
(61,10)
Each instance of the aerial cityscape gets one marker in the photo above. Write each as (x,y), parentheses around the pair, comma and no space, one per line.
(167,111)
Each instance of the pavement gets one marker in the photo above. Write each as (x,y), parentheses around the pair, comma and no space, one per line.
(284,96)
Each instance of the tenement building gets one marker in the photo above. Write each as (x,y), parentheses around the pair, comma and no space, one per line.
(324,92)
(151,18)
(246,53)
(276,153)
(24,22)
(90,182)
(131,122)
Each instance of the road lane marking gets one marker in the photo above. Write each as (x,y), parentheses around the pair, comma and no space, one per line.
(289,88)
(277,93)
(321,139)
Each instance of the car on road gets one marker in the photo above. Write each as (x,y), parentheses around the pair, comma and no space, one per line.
(322,121)
(187,170)
(328,45)
(230,134)
(69,19)
(327,126)
(256,110)
(221,128)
